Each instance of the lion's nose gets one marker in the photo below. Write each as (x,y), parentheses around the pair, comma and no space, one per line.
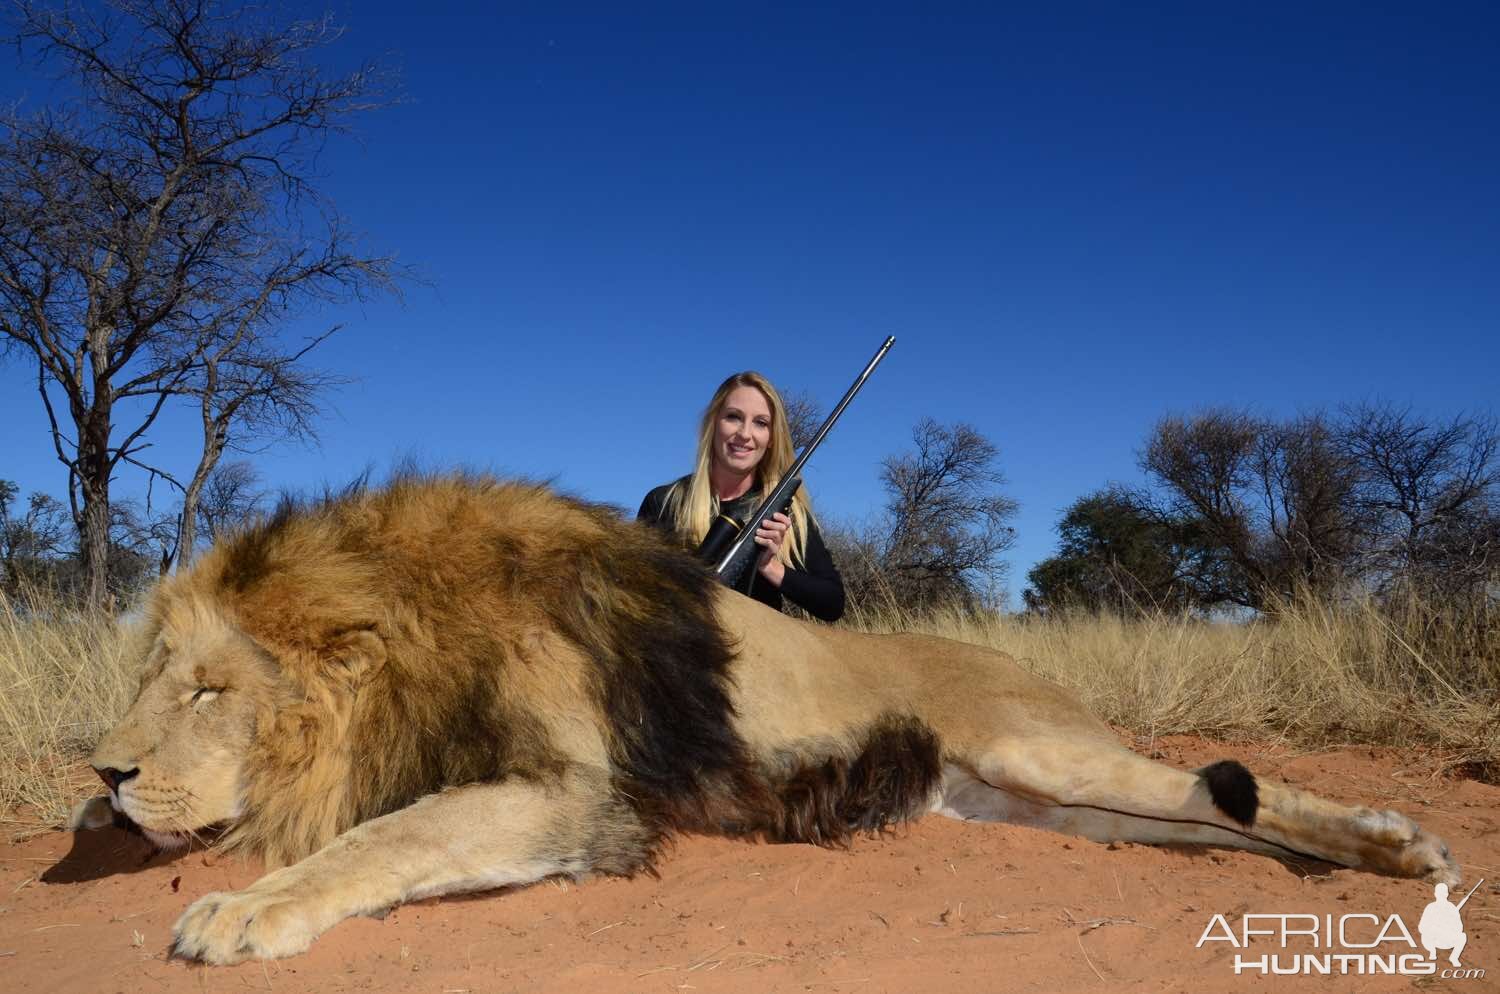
(113,778)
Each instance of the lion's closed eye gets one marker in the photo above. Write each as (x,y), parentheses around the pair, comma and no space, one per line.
(204,696)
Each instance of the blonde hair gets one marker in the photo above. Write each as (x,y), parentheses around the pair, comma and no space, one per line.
(692,500)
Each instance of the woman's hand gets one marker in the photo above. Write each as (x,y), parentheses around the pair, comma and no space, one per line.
(770,536)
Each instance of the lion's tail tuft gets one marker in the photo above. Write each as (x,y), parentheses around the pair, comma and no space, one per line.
(1233,790)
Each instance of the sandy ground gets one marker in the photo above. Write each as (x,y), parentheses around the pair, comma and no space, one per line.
(937,906)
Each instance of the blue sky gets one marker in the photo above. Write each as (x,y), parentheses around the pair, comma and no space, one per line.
(1074,219)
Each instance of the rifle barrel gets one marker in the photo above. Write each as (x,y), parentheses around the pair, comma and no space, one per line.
(827,425)
(748,533)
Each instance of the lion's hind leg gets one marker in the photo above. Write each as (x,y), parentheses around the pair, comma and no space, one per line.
(477,837)
(993,795)
(1105,792)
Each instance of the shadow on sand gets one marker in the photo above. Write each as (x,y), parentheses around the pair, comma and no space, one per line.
(106,852)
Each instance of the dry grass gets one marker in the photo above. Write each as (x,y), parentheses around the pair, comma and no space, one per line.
(63,679)
(1317,675)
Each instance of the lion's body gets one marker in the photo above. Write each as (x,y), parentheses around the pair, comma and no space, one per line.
(457,684)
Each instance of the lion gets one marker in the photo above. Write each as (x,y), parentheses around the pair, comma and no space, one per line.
(459,683)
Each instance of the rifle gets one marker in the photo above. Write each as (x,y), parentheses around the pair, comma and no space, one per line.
(1460,905)
(730,544)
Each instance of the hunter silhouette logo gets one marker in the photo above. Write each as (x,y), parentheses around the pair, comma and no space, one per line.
(1441,927)
(1350,944)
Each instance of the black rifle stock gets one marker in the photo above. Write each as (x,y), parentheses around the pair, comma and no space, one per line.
(729,545)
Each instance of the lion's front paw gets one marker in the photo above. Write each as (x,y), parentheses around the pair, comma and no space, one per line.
(225,927)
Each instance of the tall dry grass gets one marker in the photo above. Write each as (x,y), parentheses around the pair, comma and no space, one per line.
(1314,674)
(1425,676)
(63,679)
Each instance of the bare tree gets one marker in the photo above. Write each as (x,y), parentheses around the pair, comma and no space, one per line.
(804,417)
(31,539)
(142,545)
(247,391)
(1311,528)
(1429,489)
(156,234)
(946,524)
(230,496)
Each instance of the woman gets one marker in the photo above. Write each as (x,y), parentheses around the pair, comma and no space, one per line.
(744,446)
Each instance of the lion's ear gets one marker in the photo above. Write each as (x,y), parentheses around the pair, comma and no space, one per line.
(356,655)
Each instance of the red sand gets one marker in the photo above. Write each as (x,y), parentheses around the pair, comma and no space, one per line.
(938,906)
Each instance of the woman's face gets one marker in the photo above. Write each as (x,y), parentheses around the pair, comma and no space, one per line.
(743,431)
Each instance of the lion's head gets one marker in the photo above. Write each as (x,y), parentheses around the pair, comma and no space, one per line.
(175,763)
(346,657)
(252,661)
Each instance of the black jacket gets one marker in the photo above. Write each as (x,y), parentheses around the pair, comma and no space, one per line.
(815,585)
